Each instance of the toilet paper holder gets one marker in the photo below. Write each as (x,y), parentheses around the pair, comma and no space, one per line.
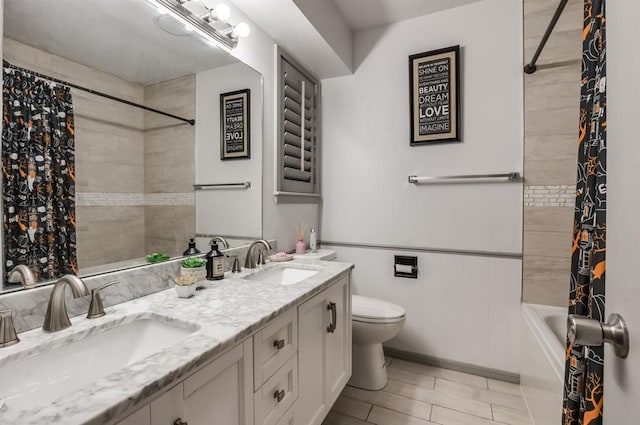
(405,266)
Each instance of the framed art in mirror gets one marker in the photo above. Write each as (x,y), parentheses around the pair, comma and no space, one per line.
(435,96)
(235,124)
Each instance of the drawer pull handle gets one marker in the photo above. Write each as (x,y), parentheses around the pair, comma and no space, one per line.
(334,317)
(279,395)
(179,421)
(278,343)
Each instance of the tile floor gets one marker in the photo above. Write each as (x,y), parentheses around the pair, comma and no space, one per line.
(418,394)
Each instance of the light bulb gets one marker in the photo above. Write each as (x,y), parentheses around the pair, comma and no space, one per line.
(160,8)
(222,11)
(241,30)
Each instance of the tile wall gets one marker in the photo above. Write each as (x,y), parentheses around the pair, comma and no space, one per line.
(551,108)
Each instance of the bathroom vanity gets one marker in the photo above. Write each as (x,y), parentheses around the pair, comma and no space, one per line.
(267,346)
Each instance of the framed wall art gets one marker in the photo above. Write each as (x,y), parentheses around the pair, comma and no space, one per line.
(435,96)
(235,140)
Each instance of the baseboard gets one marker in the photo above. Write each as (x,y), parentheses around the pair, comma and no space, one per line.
(487,372)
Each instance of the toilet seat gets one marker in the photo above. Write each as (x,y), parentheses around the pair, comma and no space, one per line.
(371,310)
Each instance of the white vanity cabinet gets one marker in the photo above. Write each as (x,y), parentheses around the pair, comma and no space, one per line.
(324,352)
(289,372)
(220,392)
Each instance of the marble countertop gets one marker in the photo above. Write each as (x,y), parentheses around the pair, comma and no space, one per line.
(224,313)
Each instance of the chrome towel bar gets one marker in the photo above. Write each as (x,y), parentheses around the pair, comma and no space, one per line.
(243,185)
(508,177)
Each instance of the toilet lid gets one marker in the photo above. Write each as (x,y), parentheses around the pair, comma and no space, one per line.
(371,308)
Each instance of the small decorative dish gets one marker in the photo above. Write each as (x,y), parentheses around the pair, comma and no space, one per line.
(280,256)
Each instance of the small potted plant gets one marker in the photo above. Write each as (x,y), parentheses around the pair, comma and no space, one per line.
(195,267)
(156,257)
(185,287)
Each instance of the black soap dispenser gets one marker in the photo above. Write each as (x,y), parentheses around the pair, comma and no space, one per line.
(215,263)
(191,249)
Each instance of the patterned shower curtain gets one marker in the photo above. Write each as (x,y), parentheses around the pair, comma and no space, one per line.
(583,387)
(38,166)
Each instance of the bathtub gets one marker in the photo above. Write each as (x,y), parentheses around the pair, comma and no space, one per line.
(542,350)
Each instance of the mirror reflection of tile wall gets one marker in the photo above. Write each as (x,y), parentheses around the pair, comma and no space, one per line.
(169,169)
(134,170)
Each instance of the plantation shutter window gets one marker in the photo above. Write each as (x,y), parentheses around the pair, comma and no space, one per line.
(297,130)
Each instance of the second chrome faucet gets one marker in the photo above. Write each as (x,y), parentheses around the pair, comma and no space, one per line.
(56,317)
(250,262)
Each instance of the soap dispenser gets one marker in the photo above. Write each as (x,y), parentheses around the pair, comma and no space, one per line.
(313,240)
(191,249)
(215,263)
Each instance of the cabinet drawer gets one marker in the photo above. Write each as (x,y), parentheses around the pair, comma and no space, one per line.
(287,419)
(141,417)
(277,395)
(273,346)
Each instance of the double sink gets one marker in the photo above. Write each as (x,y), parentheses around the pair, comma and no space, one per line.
(61,366)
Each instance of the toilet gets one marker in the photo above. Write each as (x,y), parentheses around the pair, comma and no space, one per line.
(373,322)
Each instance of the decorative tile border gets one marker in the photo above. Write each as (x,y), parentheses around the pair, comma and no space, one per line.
(91,199)
(97,198)
(188,198)
(561,195)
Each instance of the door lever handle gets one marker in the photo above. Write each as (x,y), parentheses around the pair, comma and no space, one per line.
(589,332)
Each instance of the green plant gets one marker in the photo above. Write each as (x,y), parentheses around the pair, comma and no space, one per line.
(192,262)
(156,257)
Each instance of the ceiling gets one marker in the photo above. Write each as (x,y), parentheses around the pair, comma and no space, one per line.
(123,38)
(120,37)
(365,14)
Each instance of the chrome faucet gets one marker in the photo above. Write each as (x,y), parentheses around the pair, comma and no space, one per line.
(56,317)
(8,336)
(22,274)
(223,241)
(250,262)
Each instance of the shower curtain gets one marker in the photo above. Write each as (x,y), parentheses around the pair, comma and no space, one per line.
(38,166)
(583,387)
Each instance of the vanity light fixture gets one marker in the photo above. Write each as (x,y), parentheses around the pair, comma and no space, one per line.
(212,25)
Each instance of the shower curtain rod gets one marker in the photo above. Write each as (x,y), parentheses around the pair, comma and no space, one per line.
(530,68)
(97,93)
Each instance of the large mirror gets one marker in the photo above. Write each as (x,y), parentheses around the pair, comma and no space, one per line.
(132,172)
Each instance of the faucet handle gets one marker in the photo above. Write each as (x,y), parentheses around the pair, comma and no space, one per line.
(236,265)
(8,334)
(96,309)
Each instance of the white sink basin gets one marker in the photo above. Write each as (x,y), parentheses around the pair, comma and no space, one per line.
(283,275)
(47,376)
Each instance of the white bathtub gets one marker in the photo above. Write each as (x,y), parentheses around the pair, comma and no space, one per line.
(542,351)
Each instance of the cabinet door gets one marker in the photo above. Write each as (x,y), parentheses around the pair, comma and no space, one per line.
(338,345)
(311,406)
(222,392)
(166,409)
